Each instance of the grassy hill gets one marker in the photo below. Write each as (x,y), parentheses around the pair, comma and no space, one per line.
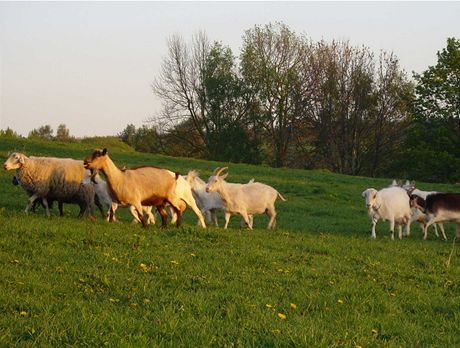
(318,280)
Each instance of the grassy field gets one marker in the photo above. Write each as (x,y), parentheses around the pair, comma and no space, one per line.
(316,281)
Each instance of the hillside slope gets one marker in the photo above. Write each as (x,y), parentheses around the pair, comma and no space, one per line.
(318,280)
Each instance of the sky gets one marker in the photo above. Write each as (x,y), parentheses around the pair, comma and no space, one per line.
(90,65)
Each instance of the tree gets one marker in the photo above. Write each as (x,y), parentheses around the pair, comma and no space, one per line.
(9,133)
(271,63)
(62,133)
(431,150)
(438,88)
(43,132)
(199,86)
(127,135)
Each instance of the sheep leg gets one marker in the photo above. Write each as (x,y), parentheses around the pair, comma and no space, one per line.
(400,231)
(30,202)
(45,204)
(61,208)
(227,219)
(99,205)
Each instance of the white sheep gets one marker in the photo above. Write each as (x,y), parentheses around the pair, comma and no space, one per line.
(391,203)
(50,178)
(244,199)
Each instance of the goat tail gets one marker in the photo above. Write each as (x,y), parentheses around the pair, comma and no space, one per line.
(282,198)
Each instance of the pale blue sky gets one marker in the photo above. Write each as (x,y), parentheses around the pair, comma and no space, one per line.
(90,65)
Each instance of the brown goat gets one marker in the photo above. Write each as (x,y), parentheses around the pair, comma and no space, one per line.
(144,186)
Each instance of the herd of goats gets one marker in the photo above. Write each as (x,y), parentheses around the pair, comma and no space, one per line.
(48,179)
(65,180)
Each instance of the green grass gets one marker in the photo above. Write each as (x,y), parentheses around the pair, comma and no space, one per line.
(71,282)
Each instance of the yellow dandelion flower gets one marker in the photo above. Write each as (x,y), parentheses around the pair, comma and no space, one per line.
(174,262)
(23,314)
(144,267)
(114,300)
(276,331)
(374,332)
(293,306)
(282,316)
(340,301)
(268,305)
(146,301)
(192,254)
(392,294)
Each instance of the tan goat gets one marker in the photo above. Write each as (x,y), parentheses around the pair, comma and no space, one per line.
(148,186)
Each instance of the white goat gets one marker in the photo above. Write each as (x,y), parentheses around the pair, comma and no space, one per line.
(391,203)
(417,213)
(184,192)
(244,199)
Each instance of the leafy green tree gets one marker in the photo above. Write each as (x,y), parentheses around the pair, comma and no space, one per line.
(438,88)
(431,151)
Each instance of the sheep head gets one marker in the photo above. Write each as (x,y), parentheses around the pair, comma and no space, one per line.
(215,180)
(14,161)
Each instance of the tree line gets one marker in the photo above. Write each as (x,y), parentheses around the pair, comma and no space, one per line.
(289,101)
(286,100)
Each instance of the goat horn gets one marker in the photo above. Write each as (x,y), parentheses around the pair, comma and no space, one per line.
(220,170)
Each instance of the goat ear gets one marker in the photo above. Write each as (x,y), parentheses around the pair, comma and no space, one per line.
(363,194)
(21,159)
(104,152)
